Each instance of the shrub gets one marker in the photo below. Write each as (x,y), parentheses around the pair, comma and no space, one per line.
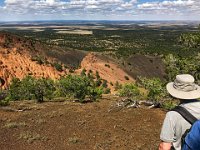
(107,65)
(43,88)
(97,75)
(83,72)
(98,82)
(117,86)
(106,91)
(58,66)
(129,90)
(38,59)
(105,83)
(4,101)
(111,83)
(94,93)
(31,88)
(169,104)
(126,77)
(156,88)
(27,88)
(76,86)
(14,92)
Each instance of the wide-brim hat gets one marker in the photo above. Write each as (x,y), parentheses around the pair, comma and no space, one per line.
(184,87)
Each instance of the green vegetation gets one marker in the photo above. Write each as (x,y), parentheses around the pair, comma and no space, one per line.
(14,124)
(129,90)
(180,65)
(156,88)
(178,46)
(31,88)
(4,101)
(31,137)
(178,40)
(80,87)
(58,66)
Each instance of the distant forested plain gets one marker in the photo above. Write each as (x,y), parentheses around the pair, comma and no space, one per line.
(120,39)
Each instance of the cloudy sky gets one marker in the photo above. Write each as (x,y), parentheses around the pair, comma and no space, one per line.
(22,10)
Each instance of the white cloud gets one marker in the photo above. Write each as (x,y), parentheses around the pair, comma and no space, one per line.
(103,8)
(166,4)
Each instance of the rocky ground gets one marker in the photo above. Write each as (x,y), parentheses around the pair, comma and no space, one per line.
(67,125)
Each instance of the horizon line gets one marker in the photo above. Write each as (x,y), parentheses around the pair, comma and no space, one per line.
(153,20)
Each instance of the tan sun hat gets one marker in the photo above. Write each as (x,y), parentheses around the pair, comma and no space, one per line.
(184,87)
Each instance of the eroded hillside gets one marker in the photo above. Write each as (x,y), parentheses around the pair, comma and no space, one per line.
(16,60)
(108,69)
(20,57)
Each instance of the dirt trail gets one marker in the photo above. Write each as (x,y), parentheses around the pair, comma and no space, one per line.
(75,126)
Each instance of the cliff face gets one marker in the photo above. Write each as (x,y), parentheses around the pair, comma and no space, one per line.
(16,61)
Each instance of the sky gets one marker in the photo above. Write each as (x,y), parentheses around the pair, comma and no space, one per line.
(30,10)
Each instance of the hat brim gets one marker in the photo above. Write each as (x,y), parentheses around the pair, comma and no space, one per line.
(181,94)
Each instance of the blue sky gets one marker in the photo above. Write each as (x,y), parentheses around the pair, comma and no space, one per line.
(22,10)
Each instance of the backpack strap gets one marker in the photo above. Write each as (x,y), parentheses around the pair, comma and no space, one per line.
(185,114)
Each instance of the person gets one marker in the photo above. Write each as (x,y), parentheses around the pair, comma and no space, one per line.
(174,125)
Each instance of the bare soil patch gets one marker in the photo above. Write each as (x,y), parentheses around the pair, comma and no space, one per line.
(82,32)
(75,126)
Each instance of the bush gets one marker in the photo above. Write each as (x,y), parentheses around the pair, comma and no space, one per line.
(58,66)
(43,88)
(107,65)
(106,91)
(15,91)
(38,59)
(129,90)
(31,88)
(169,104)
(126,77)
(4,101)
(156,88)
(94,93)
(105,83)
(83,72)
(27,88)
(117,86)
(76,86)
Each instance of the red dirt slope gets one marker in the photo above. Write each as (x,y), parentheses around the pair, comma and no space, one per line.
(15,60)
(108,69)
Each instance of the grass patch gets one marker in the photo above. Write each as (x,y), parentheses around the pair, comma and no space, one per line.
(15,124)
(40,121)
(31,137)
(74,140)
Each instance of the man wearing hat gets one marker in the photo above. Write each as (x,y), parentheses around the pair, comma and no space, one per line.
(174,125)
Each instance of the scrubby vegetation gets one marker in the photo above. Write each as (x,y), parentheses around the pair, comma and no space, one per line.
(129,90)
(125,40)
(79,87)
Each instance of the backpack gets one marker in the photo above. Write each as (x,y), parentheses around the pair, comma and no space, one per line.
(190,140)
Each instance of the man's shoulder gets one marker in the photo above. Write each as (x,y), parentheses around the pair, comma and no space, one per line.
(172,114)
